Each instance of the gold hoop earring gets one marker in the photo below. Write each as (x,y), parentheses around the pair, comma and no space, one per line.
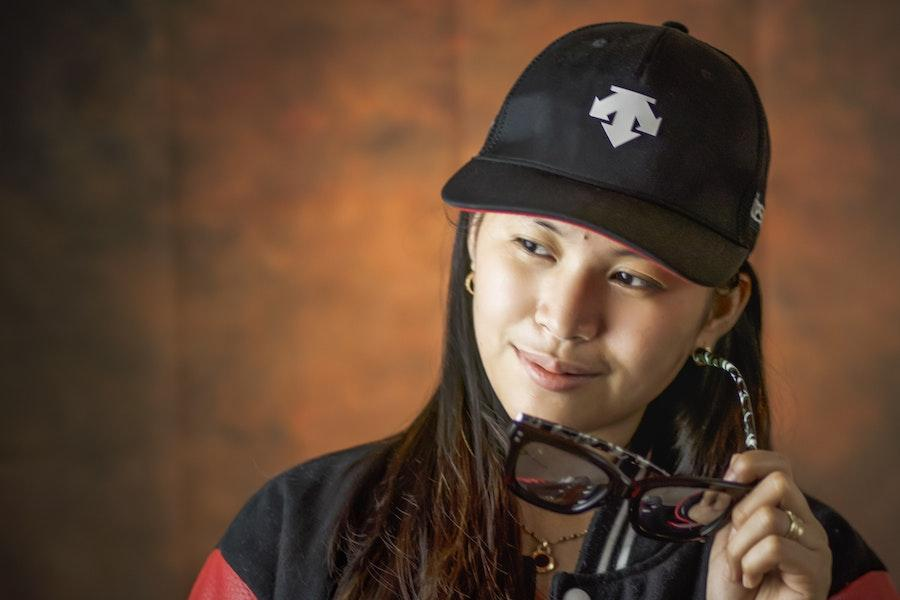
(470,283)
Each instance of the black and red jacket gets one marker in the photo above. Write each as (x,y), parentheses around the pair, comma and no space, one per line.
(276,548)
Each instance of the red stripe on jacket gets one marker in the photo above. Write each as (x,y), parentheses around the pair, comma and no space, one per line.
(218,581)
(874,585)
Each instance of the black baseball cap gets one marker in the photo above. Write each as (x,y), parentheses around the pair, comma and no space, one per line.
(642,133)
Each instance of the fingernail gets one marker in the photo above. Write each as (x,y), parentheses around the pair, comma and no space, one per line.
(729,473)
(748,582)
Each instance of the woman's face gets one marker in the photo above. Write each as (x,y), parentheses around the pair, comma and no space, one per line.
(576,328)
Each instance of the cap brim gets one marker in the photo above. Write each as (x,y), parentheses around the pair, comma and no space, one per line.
(675,241)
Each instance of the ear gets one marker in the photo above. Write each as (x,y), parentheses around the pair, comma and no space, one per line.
(725,309)
(472,241)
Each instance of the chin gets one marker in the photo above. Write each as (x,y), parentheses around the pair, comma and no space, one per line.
(559,410)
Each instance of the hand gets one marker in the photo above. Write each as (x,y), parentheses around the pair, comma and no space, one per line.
(753,557)
(709,507)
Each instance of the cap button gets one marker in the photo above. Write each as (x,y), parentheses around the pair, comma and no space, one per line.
(676,25)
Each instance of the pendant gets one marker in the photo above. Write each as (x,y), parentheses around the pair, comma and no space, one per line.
(543,558)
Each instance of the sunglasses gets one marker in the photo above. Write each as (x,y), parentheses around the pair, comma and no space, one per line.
(569,472)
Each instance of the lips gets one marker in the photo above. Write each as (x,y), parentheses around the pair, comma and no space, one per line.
(554,365)
(553,374)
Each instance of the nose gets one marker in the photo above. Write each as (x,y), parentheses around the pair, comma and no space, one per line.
(570,305)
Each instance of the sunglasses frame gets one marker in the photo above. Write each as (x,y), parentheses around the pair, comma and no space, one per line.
(527,428)
(640,488)
(522,433)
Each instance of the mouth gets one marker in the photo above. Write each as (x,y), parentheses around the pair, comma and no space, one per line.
(552,374)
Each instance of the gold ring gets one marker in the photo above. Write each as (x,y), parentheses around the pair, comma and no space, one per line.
(795,531)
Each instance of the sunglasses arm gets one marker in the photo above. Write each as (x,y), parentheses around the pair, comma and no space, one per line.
(706,358)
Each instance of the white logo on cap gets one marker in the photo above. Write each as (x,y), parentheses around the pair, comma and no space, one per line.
(758,209)
(629,107)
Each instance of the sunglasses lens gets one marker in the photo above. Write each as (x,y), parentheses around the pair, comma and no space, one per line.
(682,512)
(558,477)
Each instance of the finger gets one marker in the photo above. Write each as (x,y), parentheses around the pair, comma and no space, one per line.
(774,489)
(751,466)
(709,499)
(764,522)
(721,582)
(779,490)
(722,502)
(799,566)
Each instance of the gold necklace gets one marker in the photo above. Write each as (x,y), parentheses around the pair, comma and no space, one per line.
(544,562)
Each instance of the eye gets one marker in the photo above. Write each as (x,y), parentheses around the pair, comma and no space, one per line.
(633,281)
(532,247)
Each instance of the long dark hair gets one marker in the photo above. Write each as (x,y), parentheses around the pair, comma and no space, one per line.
(441,524)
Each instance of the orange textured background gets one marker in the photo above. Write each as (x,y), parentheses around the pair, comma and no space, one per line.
(222,251)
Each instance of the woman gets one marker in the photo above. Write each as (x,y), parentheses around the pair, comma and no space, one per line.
(604,238)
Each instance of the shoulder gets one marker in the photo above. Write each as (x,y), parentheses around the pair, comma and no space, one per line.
(856,570)
(317,482)
(278,543)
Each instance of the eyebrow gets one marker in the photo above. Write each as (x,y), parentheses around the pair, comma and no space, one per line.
(617,252)
(549,226)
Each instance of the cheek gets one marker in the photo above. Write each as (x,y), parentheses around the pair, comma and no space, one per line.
(502,299)
(651,345)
